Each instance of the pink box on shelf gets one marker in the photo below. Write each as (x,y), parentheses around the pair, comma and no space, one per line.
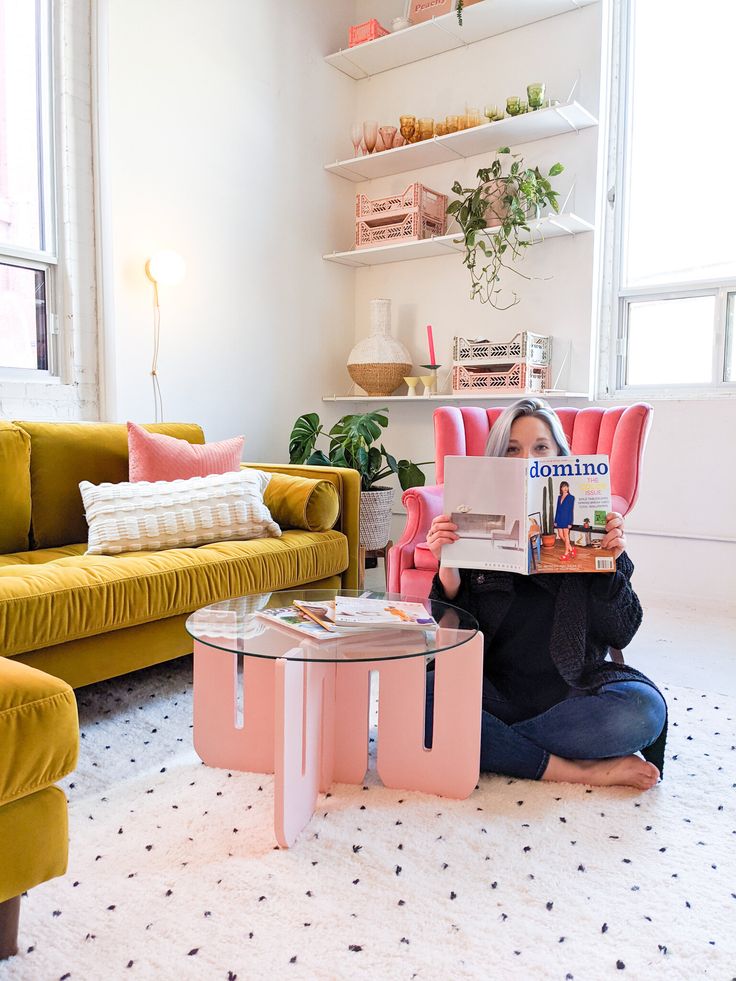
(416,197)
(518,377)
(416,213)
(360,33)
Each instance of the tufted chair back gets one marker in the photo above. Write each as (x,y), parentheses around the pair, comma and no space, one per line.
(619,431)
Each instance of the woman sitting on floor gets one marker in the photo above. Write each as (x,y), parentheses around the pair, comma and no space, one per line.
(554,708)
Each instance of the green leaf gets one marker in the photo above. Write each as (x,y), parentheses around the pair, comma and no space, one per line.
(303,437)
(410,475)
(556,169)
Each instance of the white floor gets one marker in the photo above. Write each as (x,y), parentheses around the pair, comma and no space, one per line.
(686,647)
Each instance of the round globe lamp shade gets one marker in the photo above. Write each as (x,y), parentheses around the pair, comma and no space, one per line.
(166,267)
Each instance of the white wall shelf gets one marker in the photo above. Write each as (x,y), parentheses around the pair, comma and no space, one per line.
(441,34)
(550,226)
(513,131)
(456,397)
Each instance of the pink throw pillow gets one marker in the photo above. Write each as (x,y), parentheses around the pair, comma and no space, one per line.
(153,456)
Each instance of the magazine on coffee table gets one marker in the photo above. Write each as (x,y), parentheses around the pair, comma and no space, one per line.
(546,514)
(356,612)
(308,626)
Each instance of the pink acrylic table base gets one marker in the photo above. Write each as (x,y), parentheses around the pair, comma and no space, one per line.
(308,721)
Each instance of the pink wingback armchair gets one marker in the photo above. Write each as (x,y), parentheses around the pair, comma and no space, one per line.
(619,431)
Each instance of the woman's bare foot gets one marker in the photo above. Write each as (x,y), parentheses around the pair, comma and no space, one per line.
(616,771)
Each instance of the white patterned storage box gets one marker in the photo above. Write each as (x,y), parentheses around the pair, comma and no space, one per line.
(524,346)
(519,377)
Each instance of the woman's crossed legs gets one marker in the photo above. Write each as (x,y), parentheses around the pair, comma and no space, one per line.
(587,738)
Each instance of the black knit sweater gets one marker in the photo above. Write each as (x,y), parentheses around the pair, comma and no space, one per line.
(592,613)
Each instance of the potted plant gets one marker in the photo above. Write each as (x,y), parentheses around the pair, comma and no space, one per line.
(548,515)
(351,442)
(494,218)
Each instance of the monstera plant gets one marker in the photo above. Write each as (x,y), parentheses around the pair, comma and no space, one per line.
(351,443)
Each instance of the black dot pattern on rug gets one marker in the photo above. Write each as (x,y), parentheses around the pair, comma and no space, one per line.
(172,856)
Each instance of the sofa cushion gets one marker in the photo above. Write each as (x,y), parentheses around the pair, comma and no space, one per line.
(15,487)
(155,456)
(62,455)
(136,517)
(54,595)
(300,502)
(39,731)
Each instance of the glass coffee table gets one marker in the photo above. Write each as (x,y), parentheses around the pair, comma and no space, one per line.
(269,700)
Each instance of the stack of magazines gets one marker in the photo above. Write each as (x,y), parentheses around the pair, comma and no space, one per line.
(343,616)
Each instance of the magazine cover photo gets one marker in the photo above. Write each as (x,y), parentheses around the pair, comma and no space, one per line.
(568,500)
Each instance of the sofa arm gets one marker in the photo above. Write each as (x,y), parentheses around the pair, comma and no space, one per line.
(422,504)
(347,484)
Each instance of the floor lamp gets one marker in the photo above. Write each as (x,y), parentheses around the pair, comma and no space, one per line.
(167,268)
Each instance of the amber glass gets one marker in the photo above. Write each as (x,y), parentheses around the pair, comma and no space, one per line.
(440,129)
(472,116)
(426,128)
(408,126)
(451,124)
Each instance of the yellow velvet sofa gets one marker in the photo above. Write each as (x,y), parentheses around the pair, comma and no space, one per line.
(83,618)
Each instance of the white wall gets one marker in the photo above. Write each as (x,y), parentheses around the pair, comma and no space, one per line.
(219,126)
(219,118)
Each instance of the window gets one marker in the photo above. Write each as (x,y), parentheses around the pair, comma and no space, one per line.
(673,250)
(28,252)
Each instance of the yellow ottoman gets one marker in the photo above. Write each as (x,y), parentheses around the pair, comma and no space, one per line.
(39,742)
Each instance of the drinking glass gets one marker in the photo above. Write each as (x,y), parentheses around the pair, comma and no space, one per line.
(472,116)
(356,135)
(426,128)
(451,124)
(523,106)
(491,113)
(398,140)
(440,129)
(513,107)
(462,121)
(387,135)
(535,94)
(408,126)
(370,135)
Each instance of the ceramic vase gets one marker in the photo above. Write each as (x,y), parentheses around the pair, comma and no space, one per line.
(379,362)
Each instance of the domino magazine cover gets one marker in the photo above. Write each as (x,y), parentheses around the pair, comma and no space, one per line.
(528,516)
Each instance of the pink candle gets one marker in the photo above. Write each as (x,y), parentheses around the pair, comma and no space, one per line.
(431,344)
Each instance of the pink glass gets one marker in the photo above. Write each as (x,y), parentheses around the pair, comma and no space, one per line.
(387,135)
(356,135)
(370,135)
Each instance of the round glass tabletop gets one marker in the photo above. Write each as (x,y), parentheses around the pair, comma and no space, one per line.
(270,626)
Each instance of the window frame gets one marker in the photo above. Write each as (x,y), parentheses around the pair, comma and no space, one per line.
(616,299)
(45,258)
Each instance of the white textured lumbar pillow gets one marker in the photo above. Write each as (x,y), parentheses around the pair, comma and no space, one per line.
(133,517)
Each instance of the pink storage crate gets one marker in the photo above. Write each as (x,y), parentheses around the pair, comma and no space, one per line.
(360,33)
(416,197)
(519,377)
(409,228)
(524,346)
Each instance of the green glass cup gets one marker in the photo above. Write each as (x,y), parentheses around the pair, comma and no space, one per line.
(535,94)
(513,105)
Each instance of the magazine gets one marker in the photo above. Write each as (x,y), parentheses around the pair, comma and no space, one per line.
(305,624)
(546,514)
(351,612)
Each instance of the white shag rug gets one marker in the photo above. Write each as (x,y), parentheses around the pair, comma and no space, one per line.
(173,871)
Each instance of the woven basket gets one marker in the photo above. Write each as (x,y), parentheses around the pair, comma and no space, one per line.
(379,379)
(375,517)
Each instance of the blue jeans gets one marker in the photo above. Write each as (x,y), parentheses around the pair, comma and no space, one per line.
(618,719)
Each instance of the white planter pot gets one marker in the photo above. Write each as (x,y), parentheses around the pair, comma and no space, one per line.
(375,517)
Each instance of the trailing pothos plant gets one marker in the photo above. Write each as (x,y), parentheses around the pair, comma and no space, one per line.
(507,195)
(351,442)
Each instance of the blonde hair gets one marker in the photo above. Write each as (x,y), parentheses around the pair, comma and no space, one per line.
(498,438)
